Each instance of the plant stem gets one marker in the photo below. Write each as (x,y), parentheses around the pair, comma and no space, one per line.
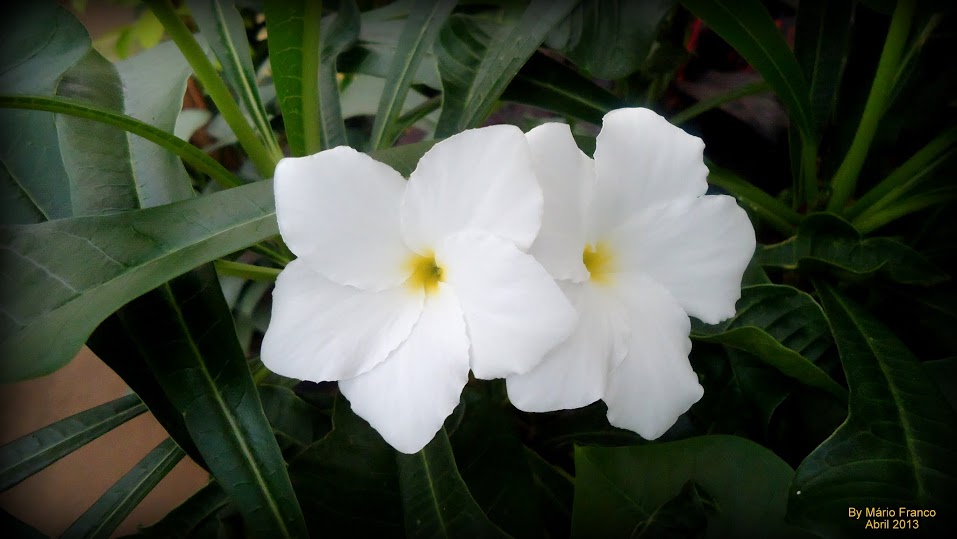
(705,105)
(906,176)
(208,76)
(246,271)
(777,214)
(186,151)
(845,180)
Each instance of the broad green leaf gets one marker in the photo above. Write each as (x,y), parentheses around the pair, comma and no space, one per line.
(115,505)
(491,460)
(821,41)
(436,500)
(222,26)
(185,332)
(556,491)
(782,327)
(587,426)
(291,416)
(53,301)
(421,28)
(471,88)
(29,454)
(682,516)
(944,371)
(897,448)
(190,516)
(609,39)
(41,42)
(154,82)
(746,26)
(825,242)
(349,480)
(339,31)
(294,35)
(617,489)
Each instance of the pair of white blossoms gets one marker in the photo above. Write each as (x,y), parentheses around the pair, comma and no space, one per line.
(515,256)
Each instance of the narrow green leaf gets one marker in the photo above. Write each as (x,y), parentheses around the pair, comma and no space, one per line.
(189,516)
(422,26)
(705,105)
(246,271)
(770,209)
(219,21)
(374,52)
(897,447)
(115,505)
(821,40)
(782,327)
(339,31)
(617,489)
(291,416)
(609,39)
(294,34)
(53,302)
(191,348)
(471,90)
(29,454)
(747,26)
(436,500)
(827,243)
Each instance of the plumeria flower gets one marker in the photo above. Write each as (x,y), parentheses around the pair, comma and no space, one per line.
(400,287)
(637,247)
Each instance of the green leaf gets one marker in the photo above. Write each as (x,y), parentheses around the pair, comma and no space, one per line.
(548,84)
(186,334)
(29,454)
(189,516)
(897,447)
(491,460)
(291,416)
(43,42)
(436,500)
(421,28)
(111,509)
(685,515)
(349,480)
(827,243)
(374,52)
(944,371)
(471,87)
(556,491)
(617,489)
(782,327)
(294,58)
(609,39)
(222,26)
(746,26)
(821,42)
(339,31)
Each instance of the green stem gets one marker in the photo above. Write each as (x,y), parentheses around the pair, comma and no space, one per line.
(186,151)
(845,180)
(208,76)
(906,176)
(413,115)
(876,218)
(705,105)
(271,254)
(246,271)
(777,214)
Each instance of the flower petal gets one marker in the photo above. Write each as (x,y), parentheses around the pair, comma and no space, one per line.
(654,384)
(407,397)
(697,249)
(567,177)
(575,373)
(323,331)
(481,179)
(514,311)
(339,211)
(642,160)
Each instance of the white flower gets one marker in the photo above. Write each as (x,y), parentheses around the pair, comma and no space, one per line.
(400,287)
(637,248)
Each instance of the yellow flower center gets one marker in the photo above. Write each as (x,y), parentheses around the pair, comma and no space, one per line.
(426,273)
(598,261)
